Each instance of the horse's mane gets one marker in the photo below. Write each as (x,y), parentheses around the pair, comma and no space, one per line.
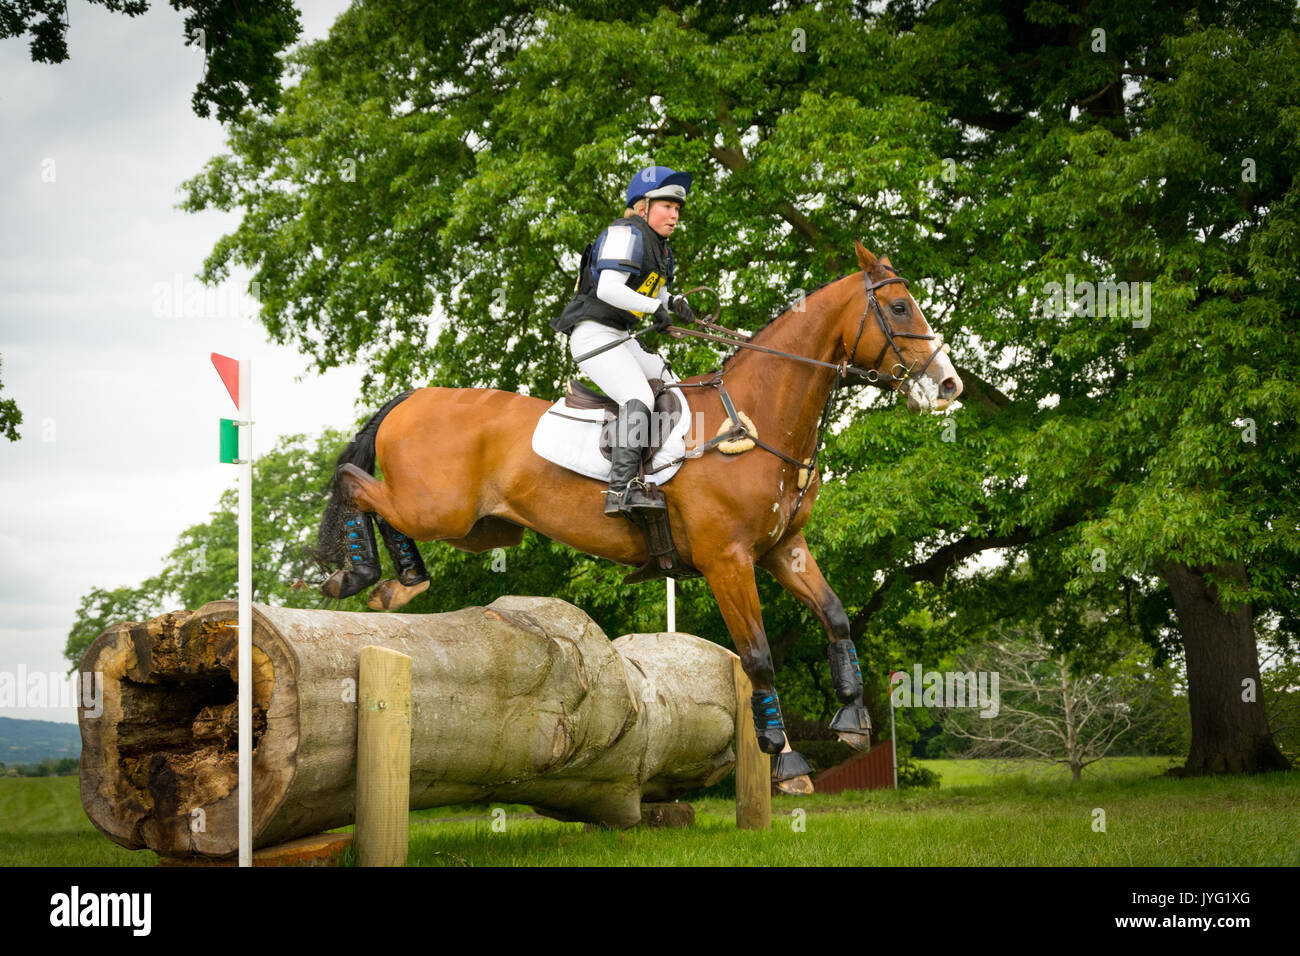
(780,312)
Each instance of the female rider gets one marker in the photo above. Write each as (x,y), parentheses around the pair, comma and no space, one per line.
(624,276)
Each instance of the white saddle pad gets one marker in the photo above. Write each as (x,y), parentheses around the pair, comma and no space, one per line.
(570,437)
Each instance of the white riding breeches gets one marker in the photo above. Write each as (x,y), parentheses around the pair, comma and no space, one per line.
(623,371)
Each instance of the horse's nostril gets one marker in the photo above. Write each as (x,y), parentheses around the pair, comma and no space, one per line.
(948,387)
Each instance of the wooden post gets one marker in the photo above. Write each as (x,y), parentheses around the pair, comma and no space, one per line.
(753,767)
(383,757)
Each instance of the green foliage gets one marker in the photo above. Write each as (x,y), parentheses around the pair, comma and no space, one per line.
(912,773)
(10,419)
(241,42)
(47,768)
(45,21)
(1281,697)
(102,608)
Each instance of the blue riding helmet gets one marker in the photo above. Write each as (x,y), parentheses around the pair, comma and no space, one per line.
(659,182)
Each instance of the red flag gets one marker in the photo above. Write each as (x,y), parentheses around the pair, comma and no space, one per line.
(228,369)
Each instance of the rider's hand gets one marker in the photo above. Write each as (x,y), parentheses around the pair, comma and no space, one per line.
(663,318)
(681,308)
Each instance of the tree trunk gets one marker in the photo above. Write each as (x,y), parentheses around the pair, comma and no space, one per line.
(524,701)
(1229,727)
(1073,758)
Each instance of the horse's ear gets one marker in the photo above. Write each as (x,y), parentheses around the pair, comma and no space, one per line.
(884,261)
(865,259)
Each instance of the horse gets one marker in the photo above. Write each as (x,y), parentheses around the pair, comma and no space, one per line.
(459,467)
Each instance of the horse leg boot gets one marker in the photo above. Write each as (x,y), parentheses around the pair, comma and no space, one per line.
(769,726)
(630,440)
(851,722)
(412,577)
(362,568)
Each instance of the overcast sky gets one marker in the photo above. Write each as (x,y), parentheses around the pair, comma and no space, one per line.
(119,399)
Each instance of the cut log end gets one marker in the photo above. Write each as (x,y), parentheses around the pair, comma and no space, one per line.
(160,764)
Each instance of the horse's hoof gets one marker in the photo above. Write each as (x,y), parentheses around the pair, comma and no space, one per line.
(392,594)
(347,582)
(860,742)
(852,725)
(798,786)
(789,768)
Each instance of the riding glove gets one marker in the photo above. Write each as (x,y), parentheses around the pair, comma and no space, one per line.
(681,308)
(662,319)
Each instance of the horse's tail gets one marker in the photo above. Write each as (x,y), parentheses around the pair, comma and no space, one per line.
(331,544)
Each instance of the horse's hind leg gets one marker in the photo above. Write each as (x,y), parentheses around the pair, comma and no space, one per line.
(362,567)
(797,572)
(357,490)
(412,578)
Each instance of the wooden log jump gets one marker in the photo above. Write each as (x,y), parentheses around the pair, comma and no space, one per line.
(524,701)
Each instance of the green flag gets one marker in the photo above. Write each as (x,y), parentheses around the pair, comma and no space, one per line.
(229,441)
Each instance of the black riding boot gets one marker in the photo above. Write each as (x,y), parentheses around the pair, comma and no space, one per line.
(630,440)
(406,557)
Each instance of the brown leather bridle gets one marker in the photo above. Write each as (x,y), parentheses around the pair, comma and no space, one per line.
(846,367)
(873,374)
(843,370)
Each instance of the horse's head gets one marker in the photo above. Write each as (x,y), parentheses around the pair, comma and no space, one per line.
(889,335)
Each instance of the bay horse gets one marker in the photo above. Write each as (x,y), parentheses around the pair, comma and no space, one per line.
(459,467)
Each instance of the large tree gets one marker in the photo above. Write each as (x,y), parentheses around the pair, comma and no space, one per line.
(419,201)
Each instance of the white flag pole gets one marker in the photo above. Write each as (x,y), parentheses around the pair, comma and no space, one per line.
(245,649)
(893,738)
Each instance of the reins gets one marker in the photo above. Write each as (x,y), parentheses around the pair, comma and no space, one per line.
(741,340)
(843,369)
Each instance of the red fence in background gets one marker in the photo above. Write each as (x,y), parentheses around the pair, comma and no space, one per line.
(873,770)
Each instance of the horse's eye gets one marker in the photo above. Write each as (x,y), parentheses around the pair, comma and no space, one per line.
(900,308)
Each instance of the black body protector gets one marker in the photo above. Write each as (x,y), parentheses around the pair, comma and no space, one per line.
(632,247)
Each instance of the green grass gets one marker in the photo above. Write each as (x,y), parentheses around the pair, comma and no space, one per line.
(1030,816)
(1018,821)
(42,824)
(965,773)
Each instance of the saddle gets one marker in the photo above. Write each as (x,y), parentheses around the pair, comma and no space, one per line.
(667,412)
(663,561)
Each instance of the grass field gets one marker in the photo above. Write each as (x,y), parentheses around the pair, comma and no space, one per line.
(983,814)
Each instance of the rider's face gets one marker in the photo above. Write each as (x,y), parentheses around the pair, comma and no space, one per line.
(662,216)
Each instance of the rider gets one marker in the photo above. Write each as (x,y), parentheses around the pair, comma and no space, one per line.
(625,275)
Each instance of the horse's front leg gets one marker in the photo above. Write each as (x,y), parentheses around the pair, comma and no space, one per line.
(793,566)
(734,588)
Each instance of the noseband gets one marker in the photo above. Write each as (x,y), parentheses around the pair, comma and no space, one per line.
(892,377)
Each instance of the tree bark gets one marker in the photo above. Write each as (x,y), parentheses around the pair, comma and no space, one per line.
(523,701)
(1230,732)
